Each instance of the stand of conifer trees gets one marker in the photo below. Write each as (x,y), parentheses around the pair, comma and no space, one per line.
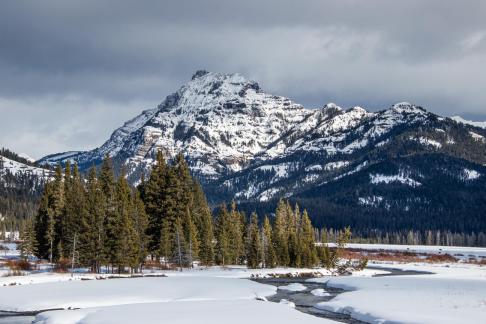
(102,223)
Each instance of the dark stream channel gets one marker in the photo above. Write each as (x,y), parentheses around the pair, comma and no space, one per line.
(304,300)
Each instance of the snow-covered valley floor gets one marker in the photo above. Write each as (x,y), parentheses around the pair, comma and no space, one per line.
(453,293)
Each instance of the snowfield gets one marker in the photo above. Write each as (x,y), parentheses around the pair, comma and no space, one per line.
(213,295)
(455,293)
(204,312)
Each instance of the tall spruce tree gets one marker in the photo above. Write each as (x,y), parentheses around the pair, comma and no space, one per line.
(253,243)
(92,233)
(281,234)
(268,248)
(307,242)
(28,245)
(154,194)
(140,223)
(42,222)
(74,208)
(56,222)
(223,237)
(125,251)
(204,223)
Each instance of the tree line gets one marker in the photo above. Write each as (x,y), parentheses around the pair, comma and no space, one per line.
(101,222)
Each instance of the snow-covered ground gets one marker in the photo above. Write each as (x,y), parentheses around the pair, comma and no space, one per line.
(214,295)
(455,293)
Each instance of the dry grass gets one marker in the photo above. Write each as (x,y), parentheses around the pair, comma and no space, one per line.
(397,256)
(19,265)
(157,265)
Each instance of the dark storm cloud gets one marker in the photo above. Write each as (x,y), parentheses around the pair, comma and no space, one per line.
(71,71)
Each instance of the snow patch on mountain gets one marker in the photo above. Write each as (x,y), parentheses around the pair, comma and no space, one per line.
(372,201)
(476,136)
(17,168)
(461,120)
(427,141)
(387,179)
(469,174)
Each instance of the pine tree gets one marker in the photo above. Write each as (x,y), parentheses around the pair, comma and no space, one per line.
(154,194)
(172,214)
(111,244)
(204,223)
(140,223)
(223,255)
(236,227)
(268,248)
(293,223)
(253,243)
(91,239)
(190,237)
(28,247)
(125,240)
(74,208)
(307,242)
(56,216)
(281,234)
(42,223)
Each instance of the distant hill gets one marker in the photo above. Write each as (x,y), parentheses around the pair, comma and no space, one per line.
(21,183)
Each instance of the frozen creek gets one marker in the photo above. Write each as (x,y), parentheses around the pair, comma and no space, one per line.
(305,300)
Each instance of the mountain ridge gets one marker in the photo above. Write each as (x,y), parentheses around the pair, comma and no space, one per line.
(245,144)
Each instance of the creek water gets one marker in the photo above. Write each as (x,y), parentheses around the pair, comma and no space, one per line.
(305,301)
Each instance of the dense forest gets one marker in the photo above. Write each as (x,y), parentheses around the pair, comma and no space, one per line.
(103,223)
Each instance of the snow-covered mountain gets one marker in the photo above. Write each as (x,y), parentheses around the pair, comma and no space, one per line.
(15,168)
(459,119)
(21,184)
(245,144)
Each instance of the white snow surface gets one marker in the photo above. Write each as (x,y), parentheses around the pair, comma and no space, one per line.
(214,295)
(293,287)
(205,312)
(427,141)
(319,292)
(476,136)
(461,120)
(455,293)
(401,178)
(15,167)
(471,174)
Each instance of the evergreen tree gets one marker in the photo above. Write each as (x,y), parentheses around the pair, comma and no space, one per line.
(28,246)
(92,233)
(74,207)
(307,242)
(253,243)
(190,237)
(41,225)
(281,234)
(223,232)
(56,216)
(140,223)
(204,222)
(268,248)
(236,227)
(125,251)
(153,193)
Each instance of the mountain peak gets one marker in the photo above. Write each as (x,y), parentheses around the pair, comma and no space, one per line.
(199,73)
(408,108)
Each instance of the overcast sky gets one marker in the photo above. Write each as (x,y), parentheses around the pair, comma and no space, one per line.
(73,71)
